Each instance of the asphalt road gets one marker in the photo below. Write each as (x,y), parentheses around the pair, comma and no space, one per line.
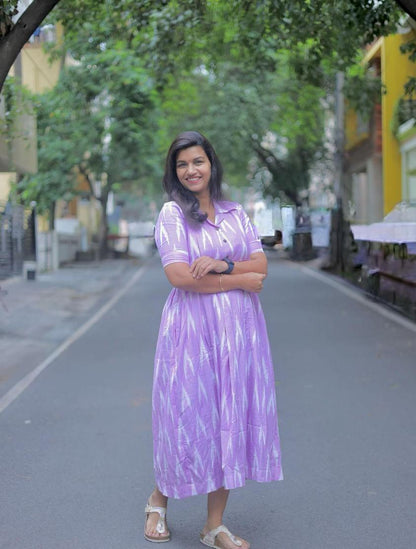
(75,452)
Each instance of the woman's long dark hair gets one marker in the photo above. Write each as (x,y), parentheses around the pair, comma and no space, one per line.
(174,188)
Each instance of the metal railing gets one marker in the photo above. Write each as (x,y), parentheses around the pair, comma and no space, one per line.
(17,238)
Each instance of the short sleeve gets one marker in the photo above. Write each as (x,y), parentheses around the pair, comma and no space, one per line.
(252,236)
(170,235)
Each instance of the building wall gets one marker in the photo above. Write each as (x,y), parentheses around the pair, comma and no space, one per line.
(6,178)
(38,73)
(396,69)
(373,156)
(363,187)
(356,132)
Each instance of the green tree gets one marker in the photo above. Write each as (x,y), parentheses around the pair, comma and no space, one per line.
(90,127)
(270,116)
(239,71)
(252,28)
(228,56)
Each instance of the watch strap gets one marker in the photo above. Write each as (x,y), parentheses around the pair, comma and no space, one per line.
(230,265)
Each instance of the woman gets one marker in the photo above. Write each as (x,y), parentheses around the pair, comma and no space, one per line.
(214,405)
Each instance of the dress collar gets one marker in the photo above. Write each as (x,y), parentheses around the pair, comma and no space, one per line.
(222,208)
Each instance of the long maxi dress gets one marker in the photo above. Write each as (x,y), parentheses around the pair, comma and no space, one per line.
(214,399)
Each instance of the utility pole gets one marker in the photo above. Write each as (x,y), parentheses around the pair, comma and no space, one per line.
(337,218)
(339,135)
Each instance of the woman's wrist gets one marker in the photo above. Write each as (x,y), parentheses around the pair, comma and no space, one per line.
(227,283)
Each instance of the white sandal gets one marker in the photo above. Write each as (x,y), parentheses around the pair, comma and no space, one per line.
(209,538)
(161,527)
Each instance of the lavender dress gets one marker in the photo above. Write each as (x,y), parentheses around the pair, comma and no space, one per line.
(214,403)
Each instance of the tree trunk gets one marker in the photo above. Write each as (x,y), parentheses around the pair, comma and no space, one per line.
(13,42)
(52,216)
(103,232)
(409,6)
(103,199)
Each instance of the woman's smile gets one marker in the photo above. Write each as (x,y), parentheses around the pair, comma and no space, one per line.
(193,169)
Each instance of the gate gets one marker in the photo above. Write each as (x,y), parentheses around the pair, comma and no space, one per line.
(17,238)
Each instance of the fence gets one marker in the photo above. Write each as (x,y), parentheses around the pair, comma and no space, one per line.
(17,238)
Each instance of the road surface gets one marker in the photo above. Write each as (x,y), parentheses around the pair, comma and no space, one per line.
(75,453)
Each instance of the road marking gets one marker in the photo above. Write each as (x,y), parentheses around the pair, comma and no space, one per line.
(355,294)
(24,383)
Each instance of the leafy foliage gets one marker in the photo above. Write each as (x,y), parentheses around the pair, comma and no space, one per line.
(90,128)
(17,102)
(269,116)
(363,88)
(410,48)
(255,77)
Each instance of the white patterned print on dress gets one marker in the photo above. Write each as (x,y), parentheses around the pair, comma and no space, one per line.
(214,401)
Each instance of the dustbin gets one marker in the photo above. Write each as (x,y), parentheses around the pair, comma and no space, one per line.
(29,267)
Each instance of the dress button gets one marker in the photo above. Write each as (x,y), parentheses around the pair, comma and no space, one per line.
(224,240)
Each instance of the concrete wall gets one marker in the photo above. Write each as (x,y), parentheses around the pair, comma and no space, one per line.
(6,178)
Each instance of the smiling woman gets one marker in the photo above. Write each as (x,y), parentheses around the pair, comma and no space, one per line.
(214,402)
(191,151)
(193,169)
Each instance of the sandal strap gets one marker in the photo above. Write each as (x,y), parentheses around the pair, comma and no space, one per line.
(161,526)
(160,510)
(214,533)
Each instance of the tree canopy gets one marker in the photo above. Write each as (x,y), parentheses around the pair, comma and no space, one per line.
(101,130)
(256,77)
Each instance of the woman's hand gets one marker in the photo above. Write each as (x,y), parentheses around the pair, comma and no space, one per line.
(205,264)
(252,282)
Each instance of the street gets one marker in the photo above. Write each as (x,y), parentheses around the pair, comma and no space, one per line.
(76,444)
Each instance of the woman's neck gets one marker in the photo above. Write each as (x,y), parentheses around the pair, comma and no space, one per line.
(206,205)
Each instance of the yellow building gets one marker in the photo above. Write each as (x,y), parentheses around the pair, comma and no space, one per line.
(376,176)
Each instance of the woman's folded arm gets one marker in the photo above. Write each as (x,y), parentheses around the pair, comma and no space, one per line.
(179,275)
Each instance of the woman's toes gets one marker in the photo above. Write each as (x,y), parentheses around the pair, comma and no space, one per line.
(151,524)
(225,542)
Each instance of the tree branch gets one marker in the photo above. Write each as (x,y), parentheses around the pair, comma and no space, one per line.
(278,169)
(25,26)
(265,154)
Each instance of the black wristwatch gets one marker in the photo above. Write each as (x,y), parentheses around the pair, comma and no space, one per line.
(230,266)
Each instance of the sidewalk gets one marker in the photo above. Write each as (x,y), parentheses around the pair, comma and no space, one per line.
(37,315)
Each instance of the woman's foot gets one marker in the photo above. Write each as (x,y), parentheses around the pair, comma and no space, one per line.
(156,528)
(223,539)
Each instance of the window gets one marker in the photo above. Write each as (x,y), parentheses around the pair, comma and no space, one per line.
(410,175)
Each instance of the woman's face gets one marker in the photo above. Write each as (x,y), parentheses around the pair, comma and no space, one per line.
(193,169)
